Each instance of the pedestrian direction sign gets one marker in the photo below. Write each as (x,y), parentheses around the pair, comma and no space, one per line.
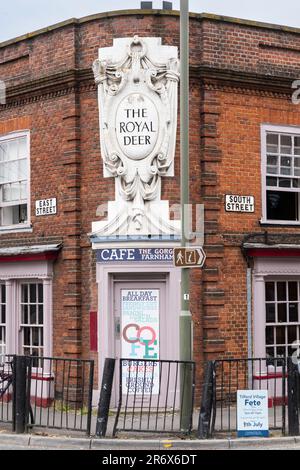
(189,257)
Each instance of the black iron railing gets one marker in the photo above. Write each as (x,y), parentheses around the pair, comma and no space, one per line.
(61,393)
(225,377)
(151,395)
(47,392)
(293,369)
(6,389)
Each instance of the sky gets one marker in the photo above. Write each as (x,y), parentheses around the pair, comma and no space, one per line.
(19,17)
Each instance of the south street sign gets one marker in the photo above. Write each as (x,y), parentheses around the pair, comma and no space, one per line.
(189,257)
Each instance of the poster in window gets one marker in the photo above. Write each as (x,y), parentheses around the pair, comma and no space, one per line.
(140,340)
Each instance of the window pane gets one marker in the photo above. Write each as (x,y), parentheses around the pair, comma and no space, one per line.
(270,352)
(271,181)
(32,290)
(272,143)
(6,193)
(269,335)
(281,291)
(35,337)
(25,314)
(280,335)
(292,334)
(15,191)
(282,205)
(270,291)
(40,293)
(13,149)
(272,164)
(22,213)
(284,182)
(293,312)
(23,192)
(22,174)
(286,144)
(3,293)
(32,314)
(3,151)
(286,161)
(3,314)
(26,336)
(41,314)
(282,318)
(280,352)
(22,150)
(273,160)
(24,293)
(270,313)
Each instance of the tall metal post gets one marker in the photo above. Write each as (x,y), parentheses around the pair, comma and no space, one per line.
(185,314)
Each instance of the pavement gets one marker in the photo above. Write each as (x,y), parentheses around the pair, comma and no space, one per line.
(10,441)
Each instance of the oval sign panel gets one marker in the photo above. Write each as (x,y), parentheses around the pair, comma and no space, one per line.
(137,126)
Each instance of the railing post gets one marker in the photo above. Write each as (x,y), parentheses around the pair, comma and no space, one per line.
(105,395)
(207,402)
(293,412)
(20,394)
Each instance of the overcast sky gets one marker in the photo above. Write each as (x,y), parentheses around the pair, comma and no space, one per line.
(18,17)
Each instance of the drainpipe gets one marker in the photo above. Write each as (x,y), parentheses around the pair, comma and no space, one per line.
(249,324)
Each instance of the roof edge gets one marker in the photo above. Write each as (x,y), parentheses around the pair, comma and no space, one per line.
(111,14)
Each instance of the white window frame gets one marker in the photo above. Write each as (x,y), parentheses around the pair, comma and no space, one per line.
(276,324)
(27,225)
(14,339)
(3,326)
(29,325)
(265,128)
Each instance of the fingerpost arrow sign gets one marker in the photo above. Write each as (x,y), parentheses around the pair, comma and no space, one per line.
(189,257)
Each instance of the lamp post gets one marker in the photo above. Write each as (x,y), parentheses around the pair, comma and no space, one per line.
(185,314)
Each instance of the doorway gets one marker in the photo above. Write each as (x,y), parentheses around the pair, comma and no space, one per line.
(138,314)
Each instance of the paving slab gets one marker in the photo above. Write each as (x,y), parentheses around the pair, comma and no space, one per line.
(263,442)
(59,442)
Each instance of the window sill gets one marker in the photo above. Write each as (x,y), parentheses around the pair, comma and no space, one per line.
(16,228)
(279,223)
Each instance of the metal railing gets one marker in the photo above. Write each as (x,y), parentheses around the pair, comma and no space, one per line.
(293,370)
(61,393)
(56,393)
(151,393)
(6,389)
(225,377)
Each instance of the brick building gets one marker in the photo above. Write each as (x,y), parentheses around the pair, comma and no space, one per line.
(61,285)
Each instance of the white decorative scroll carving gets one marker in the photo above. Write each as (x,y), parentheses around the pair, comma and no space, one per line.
(137,82)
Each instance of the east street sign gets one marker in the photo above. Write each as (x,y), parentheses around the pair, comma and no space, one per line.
(189,257)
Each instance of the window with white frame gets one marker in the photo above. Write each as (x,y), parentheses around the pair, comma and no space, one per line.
(282,317)
(281,174)
(14,164)
(2,322)
(32,319)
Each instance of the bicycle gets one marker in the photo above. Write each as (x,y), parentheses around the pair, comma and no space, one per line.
(6,381)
